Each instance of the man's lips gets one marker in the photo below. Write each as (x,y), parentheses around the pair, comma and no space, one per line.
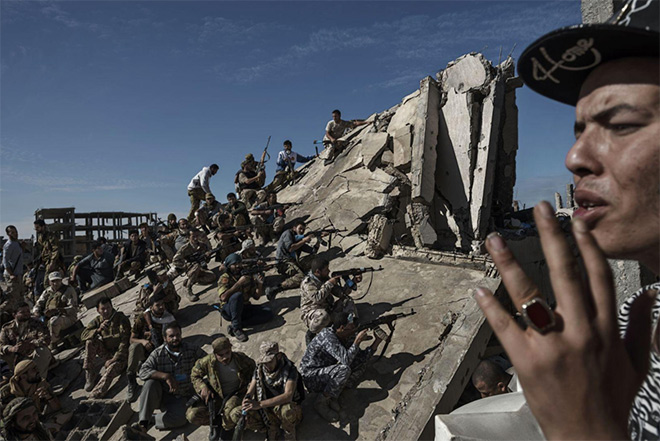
(591,206)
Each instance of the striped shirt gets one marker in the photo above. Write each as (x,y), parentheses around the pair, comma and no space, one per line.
(160,360)
(644,419)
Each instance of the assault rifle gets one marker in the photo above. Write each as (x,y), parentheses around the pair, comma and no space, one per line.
(256,260)
(388,320)
(261,167)
(203,256)
(325,232)
(278,206)
(257,269)
(347,274)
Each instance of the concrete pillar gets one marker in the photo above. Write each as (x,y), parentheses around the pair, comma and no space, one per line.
(425,143)
(558,204)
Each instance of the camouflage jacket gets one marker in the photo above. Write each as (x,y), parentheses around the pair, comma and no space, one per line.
(65,299)
(227,280)
(115,338)
(35,331)
(315,294)
(205,368)
(49,246)
(179,261)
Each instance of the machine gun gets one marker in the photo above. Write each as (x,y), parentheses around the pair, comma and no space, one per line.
(347,274)
(388,320)
(240,425)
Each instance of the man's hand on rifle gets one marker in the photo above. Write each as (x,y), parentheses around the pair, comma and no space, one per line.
(205,393)
(250,404)
(335,280)
(362,335)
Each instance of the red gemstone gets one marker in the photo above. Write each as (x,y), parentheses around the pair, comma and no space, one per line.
(539,314)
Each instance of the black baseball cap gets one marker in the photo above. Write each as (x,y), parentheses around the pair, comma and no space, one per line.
(557,64)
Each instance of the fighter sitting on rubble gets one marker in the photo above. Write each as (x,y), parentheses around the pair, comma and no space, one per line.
(94,270)
(58,305)
(228,237)
(586,376)
(194,270)
(12,262)
(199,186)
(176,239)
(206,216)
(249,182)
(50,255)
(334,361)
(132,256)
(286,166)
(146,335)
(26,382)
(268,219)
(159,283)
(290,246)
(168,386)
(151,241)
(222,377)
(20,421)
(277,389)
(318,291)
(26,338)
(106,339)
(237,210)
(235,291)
(335,129)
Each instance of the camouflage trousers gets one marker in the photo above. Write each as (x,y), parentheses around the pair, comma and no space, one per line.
(197,274)
(251,197)
(331,380)
(230,414)
(287,416)
(293,272)
(14,295)
(317,319)
(57,324)
(280,180)
(197,195)
(267,232)
(95,351)
(133,267)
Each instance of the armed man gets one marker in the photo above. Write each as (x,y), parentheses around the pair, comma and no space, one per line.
(50,255)
(159,283)
(334,361)
(237,210)
(167,378)
(277,388)
(146,335)
(334,130)
(58,304)
(269,218)
(199,186)
(106,339)
(206,216)
(12,262)
(94,270)
(20,421)
(26,338)
(133,255)
(286,166)
(235,290)
(318,291)
(221,380)
(194,270)
(250,181)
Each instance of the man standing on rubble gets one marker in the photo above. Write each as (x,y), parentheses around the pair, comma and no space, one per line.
(50,256)
(334,130)
(584,375)
(12,261)
(198,187)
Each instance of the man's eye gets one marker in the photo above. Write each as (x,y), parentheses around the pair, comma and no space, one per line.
(624,128)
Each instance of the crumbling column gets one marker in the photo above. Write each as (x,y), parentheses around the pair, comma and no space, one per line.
(558,204)
(380,234)
(425,143)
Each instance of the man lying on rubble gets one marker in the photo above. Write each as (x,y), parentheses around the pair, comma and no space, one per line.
(26,338)
(286,166)
(277,389)
(235,291)
(133,255)
(168,386)
(94,270)
(268,219)
(323,297)
(221,379)
(250,182)
(57,306)
(334,361)
(292,243)
(237,210)
(582,372)
(194,270)
(146,335)
(26,382)
(335,129)
(106,340)
(490,379)
(20,421)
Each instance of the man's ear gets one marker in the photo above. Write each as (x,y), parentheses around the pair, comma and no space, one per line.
(501,387)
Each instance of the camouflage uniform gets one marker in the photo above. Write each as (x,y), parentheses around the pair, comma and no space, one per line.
(60,309)
(239,213)
(114,340)
(237,308)
(194,271)
(172,299)
(137,352)
(50,255)
(317,305)
(34,331)
(268,227)
(231,412)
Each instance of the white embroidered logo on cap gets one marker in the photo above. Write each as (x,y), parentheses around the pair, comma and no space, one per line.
(581,48)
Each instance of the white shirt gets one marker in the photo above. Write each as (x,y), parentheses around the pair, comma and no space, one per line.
(201,180)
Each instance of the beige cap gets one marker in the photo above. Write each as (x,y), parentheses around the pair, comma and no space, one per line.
(220,344)
(55,275)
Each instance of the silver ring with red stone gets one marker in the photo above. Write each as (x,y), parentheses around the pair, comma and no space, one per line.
(538,315)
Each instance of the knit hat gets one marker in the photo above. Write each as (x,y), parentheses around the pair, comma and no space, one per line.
(220,344)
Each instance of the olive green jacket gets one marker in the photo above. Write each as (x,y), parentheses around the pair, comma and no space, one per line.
(115,338)
(205,368)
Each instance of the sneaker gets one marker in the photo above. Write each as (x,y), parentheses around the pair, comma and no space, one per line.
(321,405)
(191,295)
(90,380)
(271,292)
(240,335)
(230,330)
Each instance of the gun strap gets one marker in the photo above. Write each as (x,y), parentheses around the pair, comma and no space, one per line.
(371,280)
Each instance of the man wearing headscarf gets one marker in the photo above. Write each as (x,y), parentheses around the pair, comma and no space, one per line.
(20,421)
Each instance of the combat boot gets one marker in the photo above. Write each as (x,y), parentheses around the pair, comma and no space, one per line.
(90,380)
(191,295)
(132,393)
(240,335)
(271,292)
(322,406)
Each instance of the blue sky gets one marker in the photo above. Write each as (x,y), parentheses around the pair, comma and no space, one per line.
(115,105)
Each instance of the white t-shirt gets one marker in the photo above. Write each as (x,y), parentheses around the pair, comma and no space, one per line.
(337,130)
(201,180)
